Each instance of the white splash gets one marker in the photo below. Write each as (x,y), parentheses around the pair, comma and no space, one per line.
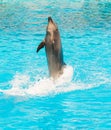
(22,85)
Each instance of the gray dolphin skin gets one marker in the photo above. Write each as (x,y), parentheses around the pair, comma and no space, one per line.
(53,48)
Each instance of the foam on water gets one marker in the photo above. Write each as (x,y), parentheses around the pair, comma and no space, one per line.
(21,85)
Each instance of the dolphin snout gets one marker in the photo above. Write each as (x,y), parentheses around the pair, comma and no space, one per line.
(50,19)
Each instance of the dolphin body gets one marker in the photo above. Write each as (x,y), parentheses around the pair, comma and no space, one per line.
(53,48)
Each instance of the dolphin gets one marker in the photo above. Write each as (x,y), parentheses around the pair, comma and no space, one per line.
(53,48)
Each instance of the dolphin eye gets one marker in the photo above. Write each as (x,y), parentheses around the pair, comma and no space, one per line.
(48,33)
(56,30)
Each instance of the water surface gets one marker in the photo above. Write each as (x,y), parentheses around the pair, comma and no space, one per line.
(28,98)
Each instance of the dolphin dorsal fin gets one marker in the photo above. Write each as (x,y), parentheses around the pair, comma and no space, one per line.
(41,45)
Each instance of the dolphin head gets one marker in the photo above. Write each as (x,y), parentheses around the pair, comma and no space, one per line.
(52,30)
(51,25)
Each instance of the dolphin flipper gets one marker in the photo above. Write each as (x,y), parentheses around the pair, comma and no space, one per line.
(41,45)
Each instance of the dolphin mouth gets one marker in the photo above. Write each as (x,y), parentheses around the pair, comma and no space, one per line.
(50,19)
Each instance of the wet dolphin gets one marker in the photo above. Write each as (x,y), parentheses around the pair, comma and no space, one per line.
(53,48)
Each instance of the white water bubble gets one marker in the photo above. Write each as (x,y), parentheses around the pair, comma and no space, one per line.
(22,84)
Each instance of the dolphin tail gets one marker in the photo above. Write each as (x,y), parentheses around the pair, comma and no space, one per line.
(41,45)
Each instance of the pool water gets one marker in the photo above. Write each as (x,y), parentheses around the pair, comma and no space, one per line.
(81,99)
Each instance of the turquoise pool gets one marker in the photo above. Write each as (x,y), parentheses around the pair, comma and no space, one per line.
(29,100)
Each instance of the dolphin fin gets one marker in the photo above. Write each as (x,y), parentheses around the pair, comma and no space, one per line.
(41,45)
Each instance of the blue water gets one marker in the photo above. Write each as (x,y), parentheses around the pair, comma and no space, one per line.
(28,98)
